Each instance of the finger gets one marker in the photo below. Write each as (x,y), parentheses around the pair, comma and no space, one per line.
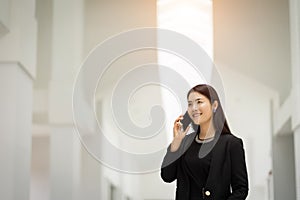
(177,129)
(177,126)
(178,118)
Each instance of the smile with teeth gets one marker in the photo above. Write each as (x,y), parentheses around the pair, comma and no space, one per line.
(195,115)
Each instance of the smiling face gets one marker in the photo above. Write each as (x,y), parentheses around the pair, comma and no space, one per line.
(199,108)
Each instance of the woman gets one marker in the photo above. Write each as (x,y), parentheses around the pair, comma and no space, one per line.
(210,162)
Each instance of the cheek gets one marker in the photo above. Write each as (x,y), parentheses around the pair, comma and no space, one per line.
(190,112)
(205,107)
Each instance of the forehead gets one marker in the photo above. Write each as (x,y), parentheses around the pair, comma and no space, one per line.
(196,95)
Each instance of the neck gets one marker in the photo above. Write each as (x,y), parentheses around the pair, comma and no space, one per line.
(207,130)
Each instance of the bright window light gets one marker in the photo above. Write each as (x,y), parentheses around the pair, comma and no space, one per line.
(194,19)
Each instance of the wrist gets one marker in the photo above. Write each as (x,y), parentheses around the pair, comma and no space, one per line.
(175,145)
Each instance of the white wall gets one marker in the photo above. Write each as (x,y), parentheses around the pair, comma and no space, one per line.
(253,37)
(248,108)
(4,17)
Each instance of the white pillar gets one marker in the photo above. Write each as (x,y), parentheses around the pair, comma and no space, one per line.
(65,148)
(64,163)
(295,58)
(17,70)
(15,131)
(90,184)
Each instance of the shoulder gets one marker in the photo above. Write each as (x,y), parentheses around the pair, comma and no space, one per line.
(229,136)
(231,139)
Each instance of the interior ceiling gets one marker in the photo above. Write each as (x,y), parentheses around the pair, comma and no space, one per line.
(253,38)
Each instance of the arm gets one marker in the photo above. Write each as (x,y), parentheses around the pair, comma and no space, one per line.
(169,166)
(239,177)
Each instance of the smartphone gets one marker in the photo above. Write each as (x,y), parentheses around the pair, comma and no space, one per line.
(187,121)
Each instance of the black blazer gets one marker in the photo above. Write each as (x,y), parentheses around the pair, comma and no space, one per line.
(227,178)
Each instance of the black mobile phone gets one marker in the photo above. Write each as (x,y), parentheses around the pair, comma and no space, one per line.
(186,121)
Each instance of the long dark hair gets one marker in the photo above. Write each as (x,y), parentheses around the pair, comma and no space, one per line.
(219,119)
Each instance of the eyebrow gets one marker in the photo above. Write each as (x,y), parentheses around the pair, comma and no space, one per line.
(197,99)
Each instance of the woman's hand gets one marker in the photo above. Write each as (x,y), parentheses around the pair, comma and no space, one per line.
(178,134)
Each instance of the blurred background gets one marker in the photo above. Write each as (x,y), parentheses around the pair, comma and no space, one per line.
(254,44)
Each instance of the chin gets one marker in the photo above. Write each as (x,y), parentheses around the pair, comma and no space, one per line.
(196,122)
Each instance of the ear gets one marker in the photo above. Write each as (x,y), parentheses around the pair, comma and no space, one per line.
(215,105)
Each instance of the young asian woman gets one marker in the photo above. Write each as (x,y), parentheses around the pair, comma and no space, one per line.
(208,163)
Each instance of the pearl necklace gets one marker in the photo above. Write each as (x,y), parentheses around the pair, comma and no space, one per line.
(204,140)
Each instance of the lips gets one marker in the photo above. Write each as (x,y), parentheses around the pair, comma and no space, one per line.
(195,115)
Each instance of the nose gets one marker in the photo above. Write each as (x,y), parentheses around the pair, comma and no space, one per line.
(195,106)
